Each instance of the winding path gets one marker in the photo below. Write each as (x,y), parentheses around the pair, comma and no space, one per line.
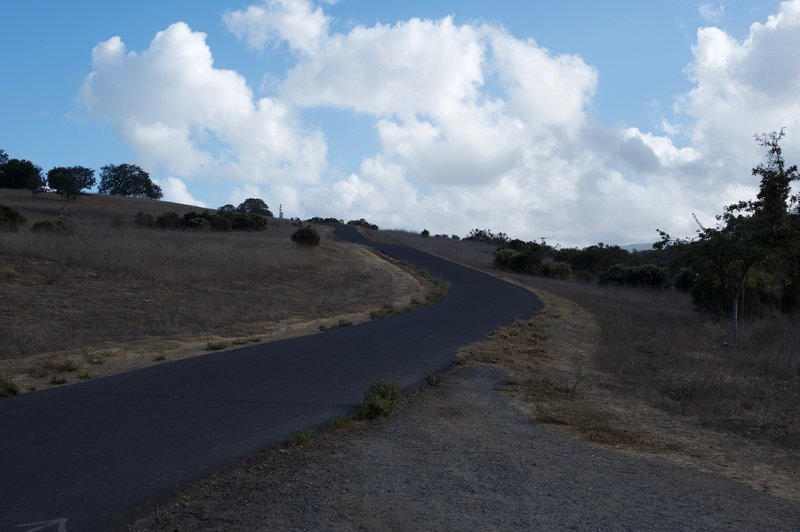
(91,455)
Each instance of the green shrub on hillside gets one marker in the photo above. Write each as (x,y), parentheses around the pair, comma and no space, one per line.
(10,219)
(306,236)
(363,223)
(169,220)
(555,270)
(641,275)
(59,226)
(143,219)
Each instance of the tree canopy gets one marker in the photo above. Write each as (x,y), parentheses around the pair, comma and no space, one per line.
(752,253)
(3,157)
(128,180)
(20,173)
(254,206)
(69,182)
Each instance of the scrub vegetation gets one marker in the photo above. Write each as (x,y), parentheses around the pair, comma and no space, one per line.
(94,281)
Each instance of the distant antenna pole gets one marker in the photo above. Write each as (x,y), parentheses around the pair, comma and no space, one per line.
(280,211)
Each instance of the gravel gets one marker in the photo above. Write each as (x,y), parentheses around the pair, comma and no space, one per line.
(460,457)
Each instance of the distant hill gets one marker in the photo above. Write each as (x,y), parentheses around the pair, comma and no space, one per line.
(638,247)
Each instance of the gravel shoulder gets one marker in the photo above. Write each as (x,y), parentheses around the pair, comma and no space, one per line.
(462,456)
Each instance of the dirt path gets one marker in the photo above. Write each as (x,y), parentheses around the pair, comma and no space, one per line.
(460,456)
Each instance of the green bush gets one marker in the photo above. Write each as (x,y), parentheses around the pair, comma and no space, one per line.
(144,220)
(306,236)
(555,270)
(59,226)
(641,275)
(379,400)
(363,223)
(10,219)
(7,388)
(198,223)
(169,220)
(218,222)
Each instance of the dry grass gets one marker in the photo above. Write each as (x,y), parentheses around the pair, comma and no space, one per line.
(640,371)
(113,289)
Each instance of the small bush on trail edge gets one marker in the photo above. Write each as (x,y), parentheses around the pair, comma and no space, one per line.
(7,388)
(379,400)
(59,226)
(10,219)
(306,236)
(434,379)
(338,325)
(213,345)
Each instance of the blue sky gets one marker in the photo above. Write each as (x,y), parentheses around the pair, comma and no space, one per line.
(583,121)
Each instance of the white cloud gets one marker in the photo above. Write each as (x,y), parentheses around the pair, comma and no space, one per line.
(476,127)
(417,66)
(181,113)
(176,191)
(294,21)
(743,88)
(711,13)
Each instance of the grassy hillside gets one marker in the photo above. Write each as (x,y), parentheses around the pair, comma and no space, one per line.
(113,288)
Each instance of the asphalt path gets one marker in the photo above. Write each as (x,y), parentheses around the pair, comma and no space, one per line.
(92,455)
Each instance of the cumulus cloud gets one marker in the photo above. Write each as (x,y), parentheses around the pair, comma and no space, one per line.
(711,13)
(181,113)
(176,191)
(293,21)
(743,88)
(475,126)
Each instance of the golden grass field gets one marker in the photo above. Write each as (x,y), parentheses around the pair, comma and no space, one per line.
(113,295)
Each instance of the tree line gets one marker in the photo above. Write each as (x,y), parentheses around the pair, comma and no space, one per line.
(71,181)
(747,265)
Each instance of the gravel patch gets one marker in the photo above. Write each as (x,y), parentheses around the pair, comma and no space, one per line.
(460,456)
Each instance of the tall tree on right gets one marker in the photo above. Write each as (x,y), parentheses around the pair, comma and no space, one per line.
(760,236)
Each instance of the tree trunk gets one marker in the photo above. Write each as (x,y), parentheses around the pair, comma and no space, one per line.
(735,319)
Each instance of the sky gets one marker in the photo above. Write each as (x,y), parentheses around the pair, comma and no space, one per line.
(576,121)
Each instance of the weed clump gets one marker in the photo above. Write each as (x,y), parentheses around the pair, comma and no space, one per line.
(379,400)
(59,226)
(7,388)
(10,219)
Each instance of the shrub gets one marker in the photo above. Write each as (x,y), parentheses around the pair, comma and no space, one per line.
(425,233)
(324,221)
(363,223)
(555,270)
(218,223)
(7,388)
(144,220)
(642,275)
(169,220)
(247,222)
(379,400)
(683,280)
(60,226)
(306,236)
(10,219)
(525,259)
(198,223)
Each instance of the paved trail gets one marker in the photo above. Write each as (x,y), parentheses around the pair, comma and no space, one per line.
(89,455)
